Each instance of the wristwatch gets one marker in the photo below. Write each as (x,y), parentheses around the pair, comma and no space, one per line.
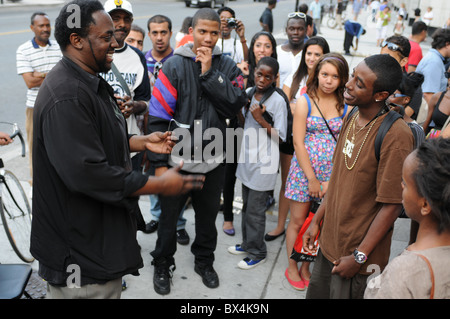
(360,257)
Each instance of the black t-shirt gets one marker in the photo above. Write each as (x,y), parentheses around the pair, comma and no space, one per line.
(267,18)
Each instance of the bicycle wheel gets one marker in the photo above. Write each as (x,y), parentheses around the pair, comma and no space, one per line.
(16,216)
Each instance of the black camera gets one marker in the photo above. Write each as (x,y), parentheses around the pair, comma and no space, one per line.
(231,22)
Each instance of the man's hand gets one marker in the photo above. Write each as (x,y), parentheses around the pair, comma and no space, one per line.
(240,30)
(204,56)
(346,267)
(159,142)
(125,104)
(173,183)
(5,139)
(309,237)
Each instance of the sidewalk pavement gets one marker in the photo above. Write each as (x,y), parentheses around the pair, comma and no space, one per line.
(266,281)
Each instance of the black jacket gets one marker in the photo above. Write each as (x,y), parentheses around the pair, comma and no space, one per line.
(82,180)
(183,94)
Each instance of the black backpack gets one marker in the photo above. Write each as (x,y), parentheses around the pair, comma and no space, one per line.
(266,115)
(390,118)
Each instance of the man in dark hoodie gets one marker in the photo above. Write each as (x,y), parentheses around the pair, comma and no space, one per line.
(197,89)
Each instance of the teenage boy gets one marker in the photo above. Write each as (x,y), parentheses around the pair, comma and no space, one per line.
(364,195)
(197,89)
(160,32)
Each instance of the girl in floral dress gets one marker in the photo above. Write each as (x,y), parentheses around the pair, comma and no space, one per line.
(314,144)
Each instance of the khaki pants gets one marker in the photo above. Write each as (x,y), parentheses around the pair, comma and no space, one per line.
(29,130)
(110,290)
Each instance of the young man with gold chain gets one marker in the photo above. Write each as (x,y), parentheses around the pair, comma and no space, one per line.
(364,195)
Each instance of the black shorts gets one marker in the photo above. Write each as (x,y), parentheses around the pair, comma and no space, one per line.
(287,148)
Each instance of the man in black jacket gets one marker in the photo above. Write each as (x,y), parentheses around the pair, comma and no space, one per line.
(85,195)
(197,89)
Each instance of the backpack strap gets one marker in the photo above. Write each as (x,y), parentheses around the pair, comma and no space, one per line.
(309,103)
(390,118)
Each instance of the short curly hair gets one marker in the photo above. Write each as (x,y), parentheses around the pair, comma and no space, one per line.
(63,29)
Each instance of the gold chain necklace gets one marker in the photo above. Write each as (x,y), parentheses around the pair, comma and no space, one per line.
(353,138)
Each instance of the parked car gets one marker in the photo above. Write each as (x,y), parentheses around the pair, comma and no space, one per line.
(205,3)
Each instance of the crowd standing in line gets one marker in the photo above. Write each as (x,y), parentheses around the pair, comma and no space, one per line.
(132,117)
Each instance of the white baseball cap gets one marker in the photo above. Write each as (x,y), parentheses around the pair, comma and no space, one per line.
(124,5)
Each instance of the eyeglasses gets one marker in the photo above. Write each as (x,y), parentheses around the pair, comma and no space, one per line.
(392,46)
(301,15)
(157,68)
(398,95)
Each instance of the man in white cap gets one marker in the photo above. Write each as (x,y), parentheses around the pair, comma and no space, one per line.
(129,79)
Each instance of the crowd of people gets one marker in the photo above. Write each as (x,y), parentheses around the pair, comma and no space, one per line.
(157,123)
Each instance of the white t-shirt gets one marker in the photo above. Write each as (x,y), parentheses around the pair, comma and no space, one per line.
(288,63)
(259,157)
(130,65)
(232,47)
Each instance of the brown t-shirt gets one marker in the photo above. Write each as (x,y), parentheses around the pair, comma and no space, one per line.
(355,197)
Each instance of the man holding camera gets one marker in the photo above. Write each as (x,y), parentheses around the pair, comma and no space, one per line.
(236,50)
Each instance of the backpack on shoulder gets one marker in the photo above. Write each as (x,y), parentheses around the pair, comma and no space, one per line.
(388,121)
(267,116)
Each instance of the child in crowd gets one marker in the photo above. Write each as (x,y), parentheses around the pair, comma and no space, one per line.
(315,130)
(259,159)
(422,271)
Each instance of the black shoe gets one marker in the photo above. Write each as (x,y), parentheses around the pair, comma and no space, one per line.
(209,276)
(182,237)
(162,278)
(151,227)
(268,237)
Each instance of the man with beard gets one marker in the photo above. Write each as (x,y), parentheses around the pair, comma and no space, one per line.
(35,58)
(160,32)
(129,78)
(86,193)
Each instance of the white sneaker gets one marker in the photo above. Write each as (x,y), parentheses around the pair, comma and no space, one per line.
(236,250)
(248,263)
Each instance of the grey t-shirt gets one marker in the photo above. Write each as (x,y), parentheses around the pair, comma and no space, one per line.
(259,157)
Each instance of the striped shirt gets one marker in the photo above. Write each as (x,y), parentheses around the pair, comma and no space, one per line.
(31,57)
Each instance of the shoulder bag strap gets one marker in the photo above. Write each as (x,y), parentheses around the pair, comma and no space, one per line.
(121,79)
(431,274)
(325,120)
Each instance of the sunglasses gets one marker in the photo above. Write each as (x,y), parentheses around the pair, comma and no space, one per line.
(398,95)
(300,15)
(392,46)
(157,68)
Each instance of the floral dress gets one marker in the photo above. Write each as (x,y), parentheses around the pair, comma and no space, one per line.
(320,146)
